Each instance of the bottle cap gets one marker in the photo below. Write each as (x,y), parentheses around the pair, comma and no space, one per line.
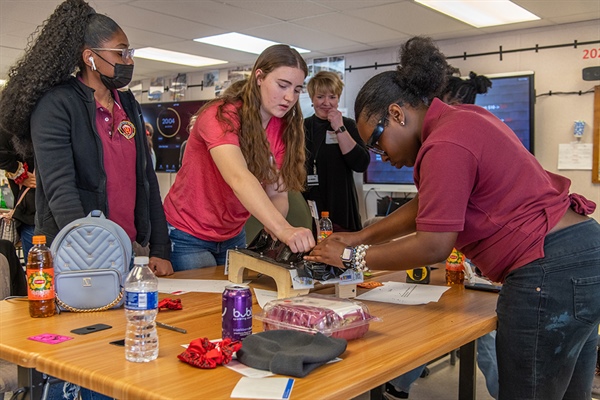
(38,239)
(325,214)
(141,260)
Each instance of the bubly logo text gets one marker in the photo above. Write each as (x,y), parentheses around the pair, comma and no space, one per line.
(238,314)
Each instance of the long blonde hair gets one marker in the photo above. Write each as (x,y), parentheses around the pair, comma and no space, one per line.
(252,136)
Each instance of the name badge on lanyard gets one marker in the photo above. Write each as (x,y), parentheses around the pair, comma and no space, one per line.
(331,138)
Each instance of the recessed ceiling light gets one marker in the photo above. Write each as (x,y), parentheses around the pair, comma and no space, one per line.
(174,57)
(480,13)
(238,41)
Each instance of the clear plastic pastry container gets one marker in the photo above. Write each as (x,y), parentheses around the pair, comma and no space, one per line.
(331,316)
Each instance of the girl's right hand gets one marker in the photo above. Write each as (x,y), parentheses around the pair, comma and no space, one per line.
(299,240)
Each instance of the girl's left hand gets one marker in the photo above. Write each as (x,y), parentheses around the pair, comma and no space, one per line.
(329,252)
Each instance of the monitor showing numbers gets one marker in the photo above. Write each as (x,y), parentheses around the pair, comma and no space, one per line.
(170,124)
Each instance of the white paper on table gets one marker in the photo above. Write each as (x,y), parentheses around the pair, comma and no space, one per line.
(258,388)
(247,371)
(192,285)
(264,296)
(404,293)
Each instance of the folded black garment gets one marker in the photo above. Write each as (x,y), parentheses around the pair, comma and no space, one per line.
(289,352)
(317,271)
(279,252)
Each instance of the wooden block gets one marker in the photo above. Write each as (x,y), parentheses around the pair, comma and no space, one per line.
(238,262)
(345,291)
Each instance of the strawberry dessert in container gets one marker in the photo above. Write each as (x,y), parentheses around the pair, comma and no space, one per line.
(331,316)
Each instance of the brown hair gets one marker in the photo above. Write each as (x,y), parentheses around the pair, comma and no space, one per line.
(252,136)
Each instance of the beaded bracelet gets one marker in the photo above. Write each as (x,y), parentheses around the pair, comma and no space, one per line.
(359,262)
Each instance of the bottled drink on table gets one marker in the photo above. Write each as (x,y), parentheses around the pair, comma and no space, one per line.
(40,279)
(141,307)
(455,271)
(325,226)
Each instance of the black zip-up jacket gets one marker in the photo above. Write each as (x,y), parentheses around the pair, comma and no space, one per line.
(9,161)
(70,175)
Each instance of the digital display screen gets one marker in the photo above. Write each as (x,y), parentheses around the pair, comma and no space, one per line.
(511,99)
(170,123)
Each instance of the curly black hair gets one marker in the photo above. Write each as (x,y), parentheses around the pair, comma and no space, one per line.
(52,55)
(421,76)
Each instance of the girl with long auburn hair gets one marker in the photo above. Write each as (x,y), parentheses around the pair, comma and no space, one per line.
(245,151)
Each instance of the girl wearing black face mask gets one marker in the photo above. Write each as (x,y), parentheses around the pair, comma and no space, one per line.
(88,137)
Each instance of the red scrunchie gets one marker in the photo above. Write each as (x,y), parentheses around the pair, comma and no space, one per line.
(170,304)
(21,178)
(581,205)
(203,353)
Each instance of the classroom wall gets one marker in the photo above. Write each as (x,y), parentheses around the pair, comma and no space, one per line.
(556,70)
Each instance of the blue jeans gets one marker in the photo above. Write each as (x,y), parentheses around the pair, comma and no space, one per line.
(26,233)
(68,391)
(486,361)
(405,381)
(548,315)
(189,252)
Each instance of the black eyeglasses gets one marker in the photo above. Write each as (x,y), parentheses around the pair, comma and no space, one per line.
(125,53)
(377,132)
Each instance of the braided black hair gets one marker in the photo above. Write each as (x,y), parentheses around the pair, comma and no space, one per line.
(464,91)
(421,76)
(52,55)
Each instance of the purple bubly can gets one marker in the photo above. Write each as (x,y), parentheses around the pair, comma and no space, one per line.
(237,312)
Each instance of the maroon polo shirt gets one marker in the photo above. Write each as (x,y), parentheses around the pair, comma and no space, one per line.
(118,144)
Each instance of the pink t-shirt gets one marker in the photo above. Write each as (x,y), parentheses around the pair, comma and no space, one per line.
(474,177)
(200,202)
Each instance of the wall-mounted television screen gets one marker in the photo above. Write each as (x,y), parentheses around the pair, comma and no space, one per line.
(170,122)
(511,98)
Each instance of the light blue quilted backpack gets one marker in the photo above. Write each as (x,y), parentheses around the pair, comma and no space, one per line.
(92,257)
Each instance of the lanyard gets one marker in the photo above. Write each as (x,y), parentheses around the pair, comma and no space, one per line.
(316,146)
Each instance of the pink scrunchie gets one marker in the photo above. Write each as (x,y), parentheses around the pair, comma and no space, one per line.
(581,205)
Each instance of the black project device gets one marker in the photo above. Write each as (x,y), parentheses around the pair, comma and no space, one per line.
(89,329)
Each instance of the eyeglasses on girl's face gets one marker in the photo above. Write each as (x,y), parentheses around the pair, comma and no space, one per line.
(126,54)
(377,132)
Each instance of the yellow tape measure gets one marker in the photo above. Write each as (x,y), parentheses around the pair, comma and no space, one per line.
(418,275)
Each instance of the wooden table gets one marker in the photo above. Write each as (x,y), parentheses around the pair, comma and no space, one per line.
(407,337)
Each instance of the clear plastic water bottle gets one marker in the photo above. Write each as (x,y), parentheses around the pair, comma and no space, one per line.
(325,226)
(141,307)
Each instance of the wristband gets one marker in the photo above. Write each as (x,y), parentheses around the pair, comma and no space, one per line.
(340,130)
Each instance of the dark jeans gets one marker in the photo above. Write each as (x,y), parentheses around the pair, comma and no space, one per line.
(548,315)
